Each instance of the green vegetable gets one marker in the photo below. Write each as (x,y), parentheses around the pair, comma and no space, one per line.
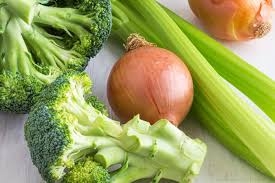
(216,104)
(65,134)
(87,171)
(93,100)
(39,40)
(253,83)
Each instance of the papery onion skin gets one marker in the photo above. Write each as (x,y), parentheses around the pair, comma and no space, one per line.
(234,19)
(152,82)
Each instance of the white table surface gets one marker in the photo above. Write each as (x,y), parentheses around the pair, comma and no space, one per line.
(220,165)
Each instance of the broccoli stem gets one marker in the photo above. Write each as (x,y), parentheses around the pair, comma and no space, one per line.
(4,19)
(2,53)
(132,174)
(22,9)
(89,120)
(36,41)
(84,145)
(49,52)
(17,56)
(138,148)
(110,156)
(55,38)
(66,19)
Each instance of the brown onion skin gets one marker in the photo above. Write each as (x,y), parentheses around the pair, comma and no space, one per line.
(234,20)
(152,82)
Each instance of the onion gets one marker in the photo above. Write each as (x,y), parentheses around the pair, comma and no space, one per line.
(234,19)
(150,81)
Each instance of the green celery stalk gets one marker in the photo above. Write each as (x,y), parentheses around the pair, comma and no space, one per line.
(253,83)
(216,104)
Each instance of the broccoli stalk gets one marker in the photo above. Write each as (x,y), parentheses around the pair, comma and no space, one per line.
(41,39)
(21,62)
(78,132)
(4,18)
(21,8)
(79,22)
(49,52)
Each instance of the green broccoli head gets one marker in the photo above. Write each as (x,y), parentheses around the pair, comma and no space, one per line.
(41,39)
(87,171)
(96,103)
(17,92)
(64,131)
(86,22)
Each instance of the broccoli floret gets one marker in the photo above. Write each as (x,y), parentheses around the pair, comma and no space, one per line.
(96,103)
(63,129)
(87,171)
(41,39)
(17,92)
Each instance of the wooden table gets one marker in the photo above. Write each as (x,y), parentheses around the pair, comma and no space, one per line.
(220,165)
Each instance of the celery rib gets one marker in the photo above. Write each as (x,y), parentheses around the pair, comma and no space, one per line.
(253,83)
(213,123)
(217,105)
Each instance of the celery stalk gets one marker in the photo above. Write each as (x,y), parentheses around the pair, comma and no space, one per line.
(253,83)
(219,108)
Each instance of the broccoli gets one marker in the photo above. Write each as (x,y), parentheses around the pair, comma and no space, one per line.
(41,39)
(94,101)
(70,140)
(87,171)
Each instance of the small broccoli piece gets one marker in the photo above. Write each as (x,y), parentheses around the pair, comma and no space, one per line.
(63,130)
(97,104)
(41,39)
(17,92)
(87,171)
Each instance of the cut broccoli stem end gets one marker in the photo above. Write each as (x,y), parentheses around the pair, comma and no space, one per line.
(159,148)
